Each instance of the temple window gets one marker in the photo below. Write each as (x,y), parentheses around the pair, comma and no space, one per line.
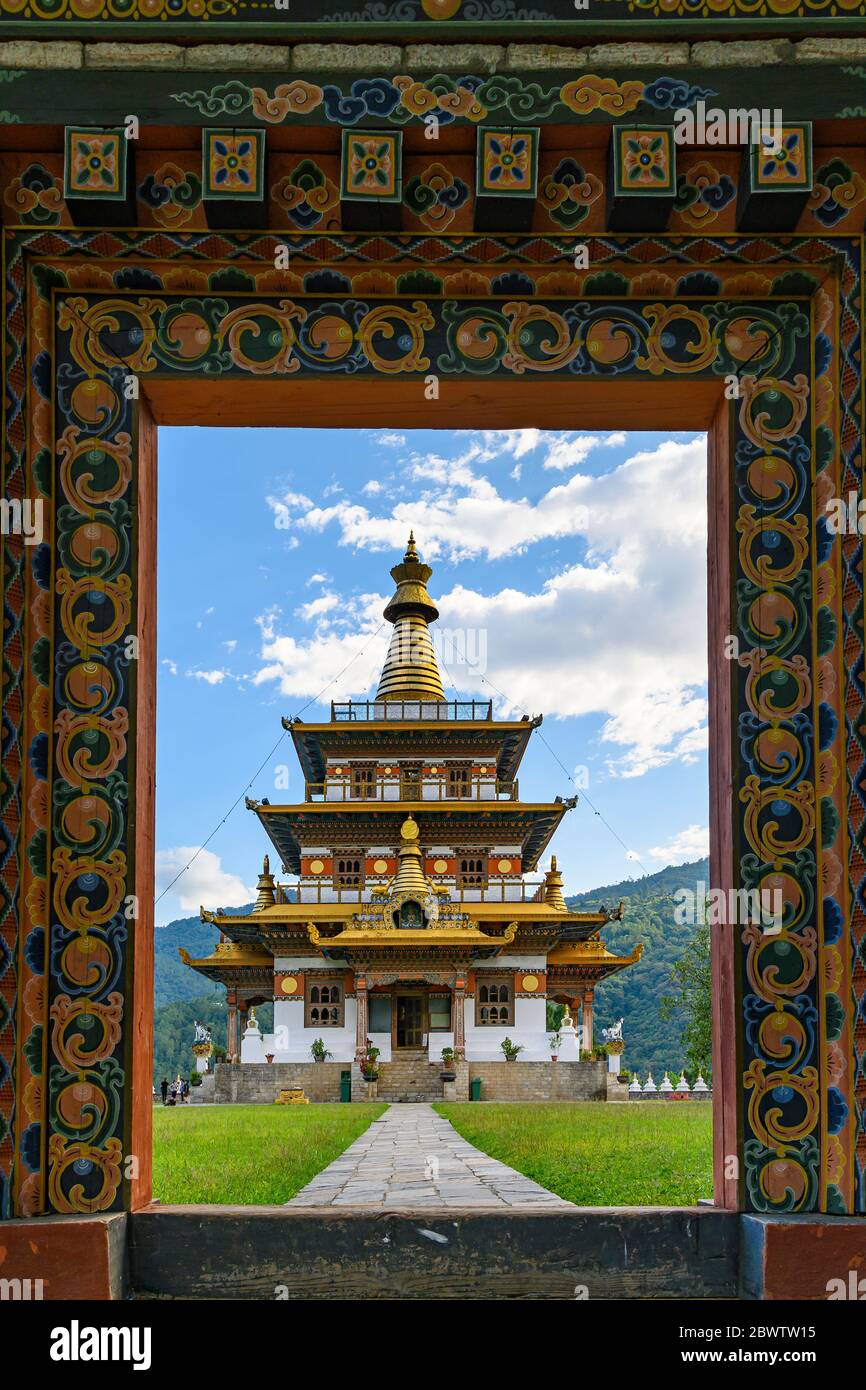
(472,872)
(363,782)
(349,872)
(459,781)
(410,782)
(323,1006)
(440,1013)
(379,1013)
(494,1003)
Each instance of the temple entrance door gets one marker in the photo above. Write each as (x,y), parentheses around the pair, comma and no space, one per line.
(409,1020)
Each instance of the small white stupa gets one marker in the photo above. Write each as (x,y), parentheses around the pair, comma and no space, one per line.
(569,1039)
(683,1086)
(252,1046)
(650,1087)
(635,1088)
(700,1087)
(666,1087)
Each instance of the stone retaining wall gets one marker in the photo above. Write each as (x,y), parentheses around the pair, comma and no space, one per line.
(259,1083)
(541,1080)
(427,57)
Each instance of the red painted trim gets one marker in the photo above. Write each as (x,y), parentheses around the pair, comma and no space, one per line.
(143,828)
(726,1065)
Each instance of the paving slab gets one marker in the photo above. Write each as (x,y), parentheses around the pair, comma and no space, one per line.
(413,1158)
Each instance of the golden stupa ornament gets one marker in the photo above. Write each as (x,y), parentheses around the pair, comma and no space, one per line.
(410,671)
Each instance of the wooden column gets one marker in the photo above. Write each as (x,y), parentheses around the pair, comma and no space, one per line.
(232,1048)
(361,1024)
(588,996)
(458,1022)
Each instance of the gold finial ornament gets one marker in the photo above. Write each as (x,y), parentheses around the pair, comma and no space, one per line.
(267,894)
(409,829)
(410,671)
(553,888)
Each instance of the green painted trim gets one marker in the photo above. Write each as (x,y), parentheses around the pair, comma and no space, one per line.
(202,99)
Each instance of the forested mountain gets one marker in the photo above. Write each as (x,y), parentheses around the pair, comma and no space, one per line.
(182,995)
(634,994)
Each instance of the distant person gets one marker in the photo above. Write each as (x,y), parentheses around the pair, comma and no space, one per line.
(164,1088)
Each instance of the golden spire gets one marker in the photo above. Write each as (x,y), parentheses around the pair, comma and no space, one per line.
(553,887)
(409,877)
(267,893)
(410,671)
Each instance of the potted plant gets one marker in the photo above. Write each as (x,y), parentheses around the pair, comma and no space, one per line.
(319,1052)
(369,1059)
(510,1049)
(448,1072)
(554,1041)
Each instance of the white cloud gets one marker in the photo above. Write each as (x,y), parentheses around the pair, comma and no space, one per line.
(230,644)
(211,677)
(619,631)
(205,883)
(690,844)
(390,441)
(372,487)
(317,607)
(172,665)
(317,578)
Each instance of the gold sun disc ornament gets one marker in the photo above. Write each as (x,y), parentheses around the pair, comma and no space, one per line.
(289,985)
(380,866)
(316,866)
(530,984)
(409,829)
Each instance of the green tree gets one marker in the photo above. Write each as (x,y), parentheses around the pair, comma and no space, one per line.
(691,1000)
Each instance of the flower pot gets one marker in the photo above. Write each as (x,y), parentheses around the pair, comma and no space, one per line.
(269,1056)
(449,1075)
(553,1057)
(510,1057)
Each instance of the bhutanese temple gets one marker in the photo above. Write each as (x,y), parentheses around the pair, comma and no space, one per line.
(410,919)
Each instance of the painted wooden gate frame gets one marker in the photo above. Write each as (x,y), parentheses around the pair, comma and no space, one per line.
(202,326)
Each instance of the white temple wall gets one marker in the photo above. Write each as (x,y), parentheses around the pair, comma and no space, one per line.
(291,1040)
(529,1030)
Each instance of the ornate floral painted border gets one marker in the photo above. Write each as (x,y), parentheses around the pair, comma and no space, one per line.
(84,309)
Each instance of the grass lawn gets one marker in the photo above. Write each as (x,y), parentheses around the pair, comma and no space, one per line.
(253,1155)
(599,1155)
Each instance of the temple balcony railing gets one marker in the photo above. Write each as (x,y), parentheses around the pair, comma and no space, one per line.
(412,789)
(364,710)
(503,891)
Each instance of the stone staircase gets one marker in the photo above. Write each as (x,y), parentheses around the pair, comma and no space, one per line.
(409,1077)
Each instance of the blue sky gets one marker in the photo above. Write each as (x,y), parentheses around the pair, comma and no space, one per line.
(569,570)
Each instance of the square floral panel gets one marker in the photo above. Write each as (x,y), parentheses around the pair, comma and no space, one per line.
(372,166)
(94,164)
(643,161)
(234,165)
(507,164)
(782,159)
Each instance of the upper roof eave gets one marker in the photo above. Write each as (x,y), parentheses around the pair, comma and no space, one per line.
(311,739)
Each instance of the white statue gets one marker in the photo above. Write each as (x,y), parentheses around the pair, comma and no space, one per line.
(614,1033)
(202,1034)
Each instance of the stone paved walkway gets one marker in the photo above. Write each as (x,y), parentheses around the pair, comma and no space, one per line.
(412,1158)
